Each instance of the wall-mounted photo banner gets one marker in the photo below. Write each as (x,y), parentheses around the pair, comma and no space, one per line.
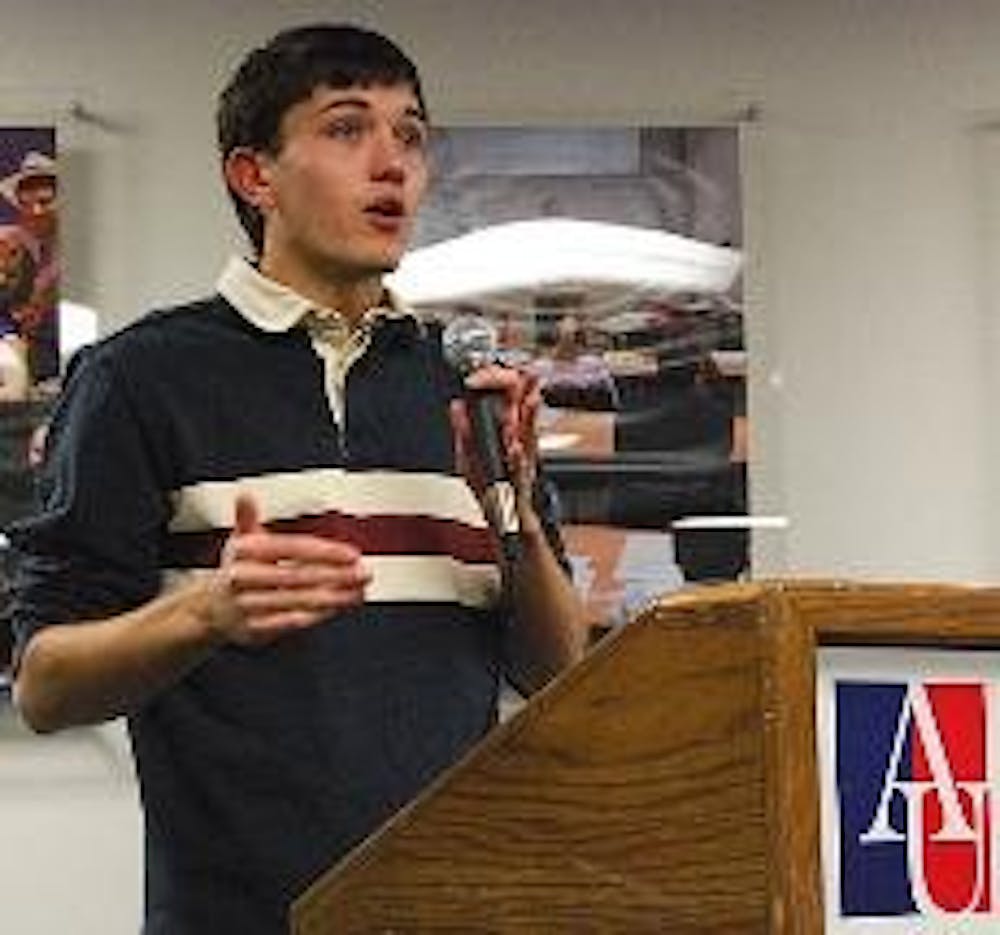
(608,260)
(29,258)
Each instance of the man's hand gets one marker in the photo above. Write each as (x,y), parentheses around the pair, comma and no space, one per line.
(272,583)
(267,584)
(548,629)
(521,400)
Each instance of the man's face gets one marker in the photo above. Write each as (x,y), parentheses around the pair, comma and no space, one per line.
(36,206)
(346,182)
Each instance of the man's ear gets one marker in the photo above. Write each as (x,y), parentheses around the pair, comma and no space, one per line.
(248,173)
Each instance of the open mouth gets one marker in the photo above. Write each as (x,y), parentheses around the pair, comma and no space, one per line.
(386,209)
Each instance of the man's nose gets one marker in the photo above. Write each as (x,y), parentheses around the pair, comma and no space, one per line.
(388,156)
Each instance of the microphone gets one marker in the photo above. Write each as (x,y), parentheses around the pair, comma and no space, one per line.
(470,342)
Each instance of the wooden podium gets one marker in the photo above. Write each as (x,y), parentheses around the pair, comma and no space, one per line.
(666,784)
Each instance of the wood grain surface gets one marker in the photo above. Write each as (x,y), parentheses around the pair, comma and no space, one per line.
(666,784)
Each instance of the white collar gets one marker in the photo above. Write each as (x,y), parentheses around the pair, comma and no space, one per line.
(274,307)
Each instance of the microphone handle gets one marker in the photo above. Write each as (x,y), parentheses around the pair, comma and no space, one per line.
(486,417)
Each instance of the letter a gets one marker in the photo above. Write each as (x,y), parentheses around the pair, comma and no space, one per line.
(954,827)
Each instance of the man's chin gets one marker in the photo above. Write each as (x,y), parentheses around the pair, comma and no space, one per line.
(365,266)
(390,263)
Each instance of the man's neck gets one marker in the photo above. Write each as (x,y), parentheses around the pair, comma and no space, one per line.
(351,296)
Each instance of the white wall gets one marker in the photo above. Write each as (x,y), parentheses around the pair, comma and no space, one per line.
(70,832)
(873,287)
(873,226)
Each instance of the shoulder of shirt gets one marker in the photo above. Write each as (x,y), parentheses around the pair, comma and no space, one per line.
(159,334)
(208,314)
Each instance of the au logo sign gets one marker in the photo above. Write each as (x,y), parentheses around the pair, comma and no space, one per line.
(915,800)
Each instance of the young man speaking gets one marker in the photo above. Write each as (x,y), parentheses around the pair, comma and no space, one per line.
(260,539)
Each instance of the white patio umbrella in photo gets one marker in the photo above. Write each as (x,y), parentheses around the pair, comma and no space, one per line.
(606,267)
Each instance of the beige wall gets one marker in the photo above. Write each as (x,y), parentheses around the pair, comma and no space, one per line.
(872,235)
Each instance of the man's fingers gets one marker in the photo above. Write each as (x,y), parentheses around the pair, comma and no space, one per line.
(461,430)
(494,377)
(275,582)
(459,414)
(522,396)
(295,547)
(271,627)
(247,518)
(250,575)
(531,398)
(316,600)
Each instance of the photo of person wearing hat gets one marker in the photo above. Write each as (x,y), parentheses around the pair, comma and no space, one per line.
(28,192)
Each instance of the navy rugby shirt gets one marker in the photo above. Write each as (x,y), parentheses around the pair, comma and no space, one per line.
(263,765)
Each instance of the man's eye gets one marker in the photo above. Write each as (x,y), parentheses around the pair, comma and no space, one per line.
(348,128)
(412,136)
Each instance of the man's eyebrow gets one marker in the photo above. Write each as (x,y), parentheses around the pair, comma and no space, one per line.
(347,102)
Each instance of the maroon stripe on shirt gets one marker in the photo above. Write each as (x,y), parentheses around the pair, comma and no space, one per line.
(372,535)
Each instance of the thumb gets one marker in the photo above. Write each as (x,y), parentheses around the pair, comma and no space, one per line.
(459,416)
(247,515)
(461,430)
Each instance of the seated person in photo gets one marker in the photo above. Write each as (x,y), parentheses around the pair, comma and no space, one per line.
(571,375)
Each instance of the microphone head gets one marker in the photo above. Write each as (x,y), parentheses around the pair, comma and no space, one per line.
(469,342)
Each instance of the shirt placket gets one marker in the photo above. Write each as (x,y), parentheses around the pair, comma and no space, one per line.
(338,346)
